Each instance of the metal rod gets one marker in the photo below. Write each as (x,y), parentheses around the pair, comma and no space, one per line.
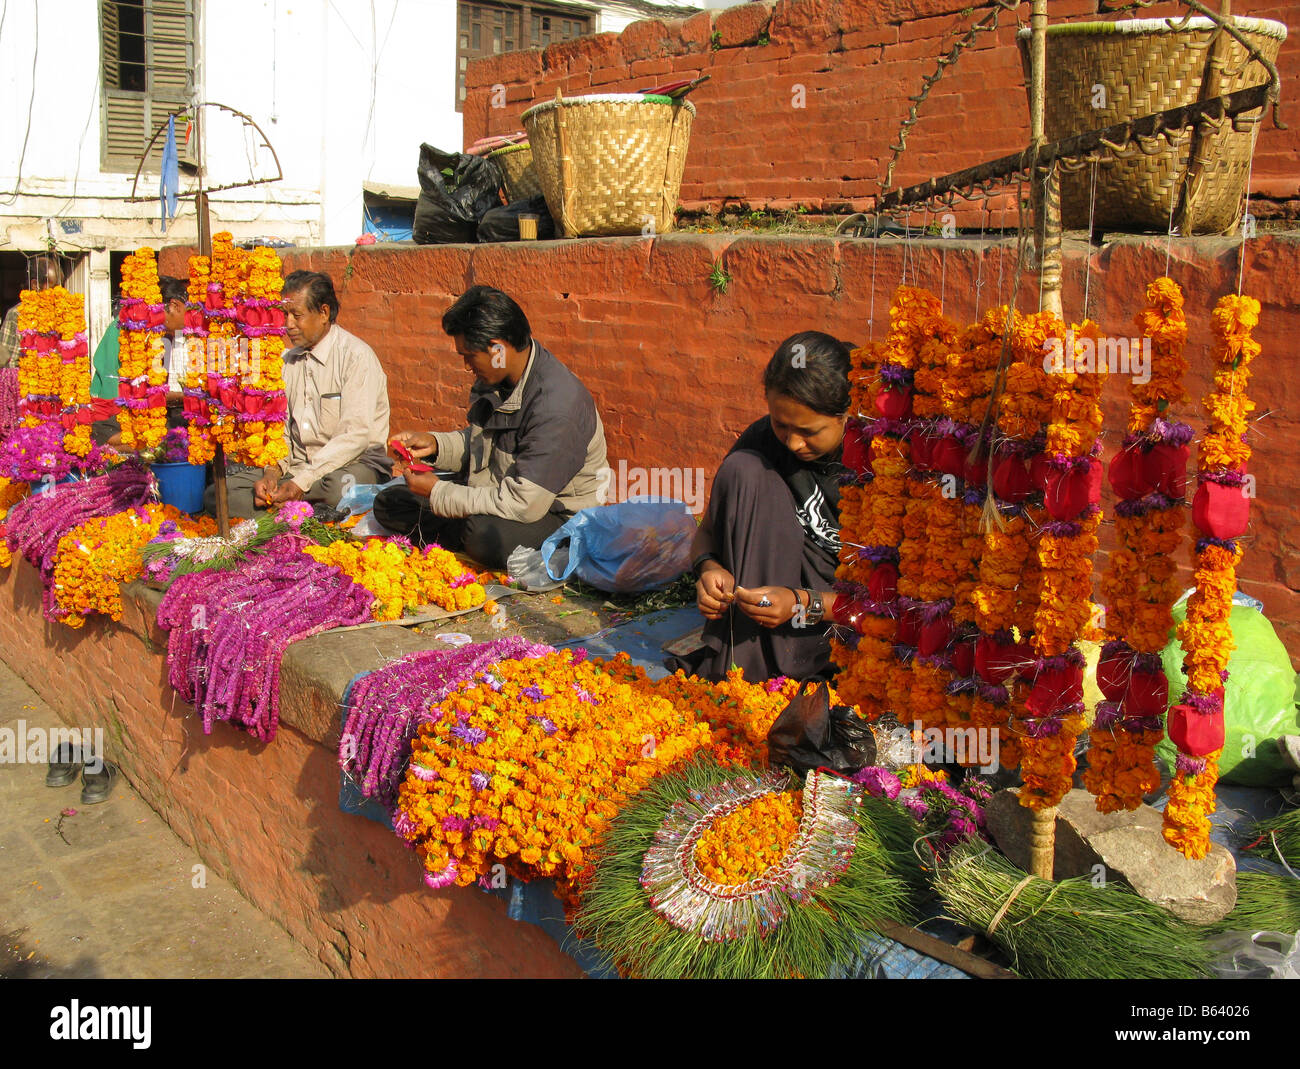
(1148,126)
(205,249)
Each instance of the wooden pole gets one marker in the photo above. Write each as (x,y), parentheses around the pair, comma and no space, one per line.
(1047,232)
(1046,180)
(205,249)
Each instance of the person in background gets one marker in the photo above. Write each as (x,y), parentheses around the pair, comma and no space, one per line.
(43,273)
(530,458)
(766,552)
(107,361)
(337,421)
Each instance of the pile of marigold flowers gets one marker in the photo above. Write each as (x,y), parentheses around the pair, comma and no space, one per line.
(527,766)
(749,841)
(95,558)
(402,577)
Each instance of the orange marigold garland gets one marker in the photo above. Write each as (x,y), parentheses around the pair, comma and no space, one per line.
(198,406)
(1071,474)
(1140,586)
(1221,512)
(142,378)
(54,366)
(11,492)
(259,405)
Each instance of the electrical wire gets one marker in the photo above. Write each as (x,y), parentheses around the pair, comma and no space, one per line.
(31,100)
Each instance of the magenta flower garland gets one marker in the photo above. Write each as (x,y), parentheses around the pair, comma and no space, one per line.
(385,708)
(8,400)
(224,658)
(34,525)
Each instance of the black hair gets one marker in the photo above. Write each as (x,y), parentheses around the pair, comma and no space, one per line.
(482,315)
(173,289)
(813,369)
(40,268)
(317,289)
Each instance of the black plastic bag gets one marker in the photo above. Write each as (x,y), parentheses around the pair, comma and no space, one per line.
(502,224)
(456,191)
(810,734)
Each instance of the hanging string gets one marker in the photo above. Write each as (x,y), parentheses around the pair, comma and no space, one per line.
(1087,259)
(1247,220)
(871,312)
(907,244)
(1169,237)
(979,274)
(1002,233)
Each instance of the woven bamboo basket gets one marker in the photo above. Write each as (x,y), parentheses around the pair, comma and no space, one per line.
(1135,67)
(516,163)
(610,164)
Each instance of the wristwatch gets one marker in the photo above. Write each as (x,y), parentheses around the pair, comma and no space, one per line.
(816,610)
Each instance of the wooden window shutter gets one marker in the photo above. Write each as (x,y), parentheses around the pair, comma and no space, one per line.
(130,118)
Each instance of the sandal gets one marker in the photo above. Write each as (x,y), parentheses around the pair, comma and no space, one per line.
(97,786)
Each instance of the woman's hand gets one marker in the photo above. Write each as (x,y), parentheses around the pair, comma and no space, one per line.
(769,606)
(714,590)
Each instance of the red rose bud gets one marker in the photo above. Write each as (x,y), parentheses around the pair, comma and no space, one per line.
(975,472)
(274,317)
(934,636)
(894,404)
(1055,688)
(856,454)
(995,661)
(1221,511)
(883,583)
(157,316)
(963,658)
(922,450)
(1195,734)
(1127,475)
(1011,480)
(1071,491)
(948,455)
(1147,694)
(1165,469)
(909,628)
(1113,675)
(1039,469)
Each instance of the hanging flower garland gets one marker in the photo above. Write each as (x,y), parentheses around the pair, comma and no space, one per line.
(197,406)
(54,367)
(142,378)
(402,577)
(259,406)
(1141,584)
(1221,512)
(226,281)
(1071,496)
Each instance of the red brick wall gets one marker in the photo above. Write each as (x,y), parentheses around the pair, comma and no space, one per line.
(675,365)
(265,817)
(858,62)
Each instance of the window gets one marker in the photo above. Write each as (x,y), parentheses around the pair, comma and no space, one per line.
(490,29)
(147,73)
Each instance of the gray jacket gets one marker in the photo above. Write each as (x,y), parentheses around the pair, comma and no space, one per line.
(530,450)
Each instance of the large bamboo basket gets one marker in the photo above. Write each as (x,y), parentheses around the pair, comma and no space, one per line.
(610,164)
(517,171)
(1144,66)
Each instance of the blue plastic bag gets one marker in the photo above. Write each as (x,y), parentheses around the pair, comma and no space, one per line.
(625,548)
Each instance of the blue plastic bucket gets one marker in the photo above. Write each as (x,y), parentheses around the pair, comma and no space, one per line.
(181,485)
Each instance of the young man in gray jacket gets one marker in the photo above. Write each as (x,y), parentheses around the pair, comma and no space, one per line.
(531,456)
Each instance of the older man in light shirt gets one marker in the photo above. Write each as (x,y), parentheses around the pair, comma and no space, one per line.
(337,393)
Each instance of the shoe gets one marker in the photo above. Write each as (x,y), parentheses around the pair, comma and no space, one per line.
(65,763)
(97,786)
